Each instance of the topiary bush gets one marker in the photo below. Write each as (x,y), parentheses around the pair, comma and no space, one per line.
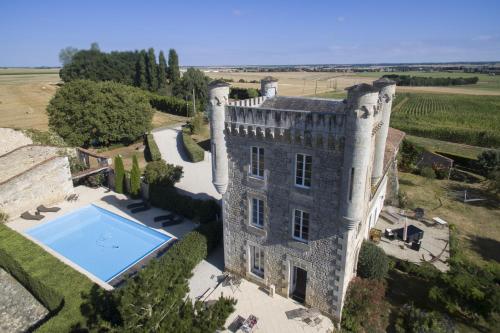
(194,151)
(135,178)
(119,175)
(153,152)
(373,263)
(161,173)
(52,300)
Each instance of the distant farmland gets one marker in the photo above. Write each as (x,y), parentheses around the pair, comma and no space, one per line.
(468,119)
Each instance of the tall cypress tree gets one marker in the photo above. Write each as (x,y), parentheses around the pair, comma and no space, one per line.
(174,73)
(135,178)
(162,72)
(119,175)
(151,70)
(140,71)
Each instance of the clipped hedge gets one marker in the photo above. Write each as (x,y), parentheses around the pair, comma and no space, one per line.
(194,151)
(168,198)
(47,296)
(171,105)
(243,93)
(153,151)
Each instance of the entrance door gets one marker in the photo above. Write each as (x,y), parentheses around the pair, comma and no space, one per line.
(299,281)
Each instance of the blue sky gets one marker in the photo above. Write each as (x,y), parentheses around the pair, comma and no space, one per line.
(255,32)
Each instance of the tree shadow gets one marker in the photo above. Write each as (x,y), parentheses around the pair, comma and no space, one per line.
(488,248)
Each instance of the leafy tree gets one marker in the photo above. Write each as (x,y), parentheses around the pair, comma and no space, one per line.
(87,113)
(373,263)
(162,72)
(119,175)
(161,173)
(409,154)
(174,74)
(428,172)
(140,71)
(196,80)
(95,47)
(135,178)
(151,70)
(365,309)
(67,54)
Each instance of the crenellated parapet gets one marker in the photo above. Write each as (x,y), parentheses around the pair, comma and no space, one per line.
(250,102)
(324,130)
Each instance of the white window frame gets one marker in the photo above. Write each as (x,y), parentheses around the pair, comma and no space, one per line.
(301,225)
(303,175)
(256,264)
(260,208)
(260,172)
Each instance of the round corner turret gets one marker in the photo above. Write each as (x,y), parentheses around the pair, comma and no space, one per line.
(269,86)
(385,86)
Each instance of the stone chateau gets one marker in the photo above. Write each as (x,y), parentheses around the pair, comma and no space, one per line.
(303,180)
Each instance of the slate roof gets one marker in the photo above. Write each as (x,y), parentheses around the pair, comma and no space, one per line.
(302,104)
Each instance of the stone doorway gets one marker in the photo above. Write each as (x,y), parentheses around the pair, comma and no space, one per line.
(299,284)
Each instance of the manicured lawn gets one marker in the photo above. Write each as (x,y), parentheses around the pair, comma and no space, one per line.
(53,273)
(332,94)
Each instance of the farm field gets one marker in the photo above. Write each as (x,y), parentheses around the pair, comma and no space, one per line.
(304,83)
(467,119)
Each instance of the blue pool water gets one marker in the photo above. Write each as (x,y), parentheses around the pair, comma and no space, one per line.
(101,242)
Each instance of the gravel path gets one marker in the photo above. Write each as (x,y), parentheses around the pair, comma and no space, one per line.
(197,179)
(19,310)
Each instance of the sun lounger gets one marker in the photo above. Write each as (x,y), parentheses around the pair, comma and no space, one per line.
(174,221)
(140,209)
(28,216)
(164,217)
(43,209)
(72,197)
(136,205)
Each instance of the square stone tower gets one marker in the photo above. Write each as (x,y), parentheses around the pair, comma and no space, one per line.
(303,180)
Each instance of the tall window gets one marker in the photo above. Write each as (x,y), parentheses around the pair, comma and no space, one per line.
(303,164)
(257,161)
(257,213)
(301,225)
(257,260)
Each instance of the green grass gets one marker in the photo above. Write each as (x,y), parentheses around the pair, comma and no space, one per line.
(468,119)
(332,94)
(486,82)
(53,273)
(434,145)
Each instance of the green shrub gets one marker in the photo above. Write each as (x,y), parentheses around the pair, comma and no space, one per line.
(425,270)
(427,172)
(46,138)
(243,93)
(414,320)
(3,217)
(373,263)
(197,123)
(161,173)
(153,152)
(365,309)
(172,105)
(194,151)
(135,178)
(52,300)
(119,175)
(403,199)
(489,161)
(168,198)
(408,155)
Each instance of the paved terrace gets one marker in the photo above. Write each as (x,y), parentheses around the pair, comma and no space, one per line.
(435,243)
(111,201)
(252,300)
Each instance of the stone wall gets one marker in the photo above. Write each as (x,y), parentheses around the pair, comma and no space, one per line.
(45,183)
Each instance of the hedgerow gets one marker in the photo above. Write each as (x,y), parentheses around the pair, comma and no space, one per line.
(193,150)
(153,151)
(172,105)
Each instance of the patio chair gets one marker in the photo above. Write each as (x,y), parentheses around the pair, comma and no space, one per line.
(142,208)
(43,209)
(28,216)
(164,217)
(72,197)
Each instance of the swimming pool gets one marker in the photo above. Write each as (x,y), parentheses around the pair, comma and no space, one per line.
(101,242)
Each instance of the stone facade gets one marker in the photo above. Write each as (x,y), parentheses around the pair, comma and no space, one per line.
(342,140)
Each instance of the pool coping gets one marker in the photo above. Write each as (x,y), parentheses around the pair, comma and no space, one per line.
(119,278)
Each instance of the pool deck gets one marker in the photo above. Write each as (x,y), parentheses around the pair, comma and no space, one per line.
(116,203)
